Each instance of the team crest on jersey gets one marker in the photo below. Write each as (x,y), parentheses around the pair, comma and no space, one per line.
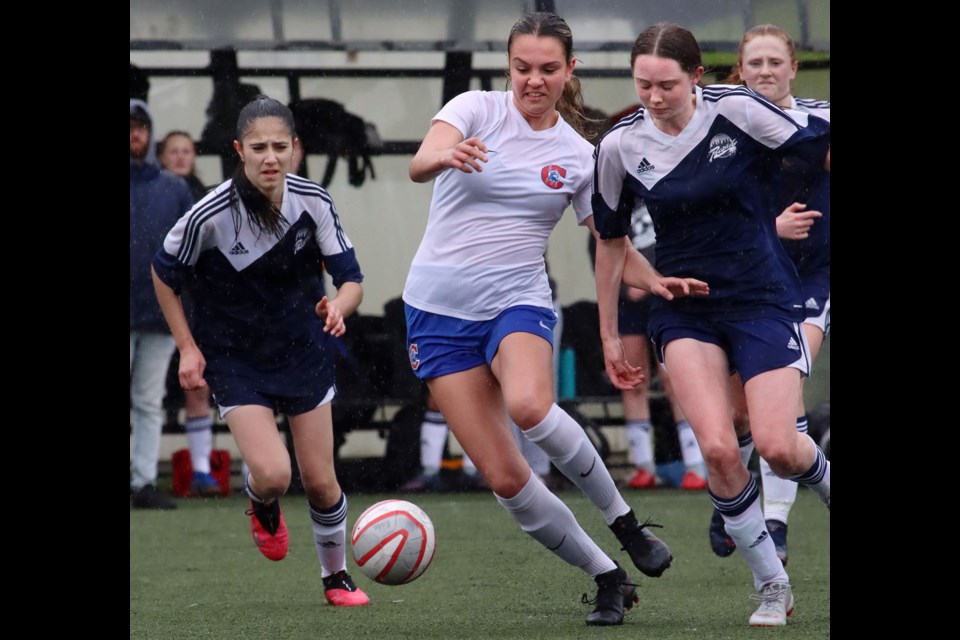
(414,353)
(301,241)
(553,175)
(722,146)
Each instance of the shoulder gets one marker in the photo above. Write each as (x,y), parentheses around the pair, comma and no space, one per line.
(611,140)
(819,108)
(309,196)
(734,96)
(212,204)
(486,101)
(306,188)
(746,109)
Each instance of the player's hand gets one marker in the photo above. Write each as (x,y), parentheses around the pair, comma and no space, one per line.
(333,322)
(622,374)
(466,156)
(192,366)
(670,288)
(795,223)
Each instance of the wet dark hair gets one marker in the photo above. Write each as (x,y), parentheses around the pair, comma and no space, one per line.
(668,40)
(263,215)
(550,25)
(755,32)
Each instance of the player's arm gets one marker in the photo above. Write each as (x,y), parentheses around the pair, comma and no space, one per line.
(333,312)
(192,362)
(444,148)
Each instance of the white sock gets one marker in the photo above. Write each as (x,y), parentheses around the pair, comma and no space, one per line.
(200,441)
(551,523)
(744,522)
(572,452)
(641,446)
(817,477)
(330,536)
(469,468)
(746,448)
(779,494)
(433,438)
(535,456)
(689,449)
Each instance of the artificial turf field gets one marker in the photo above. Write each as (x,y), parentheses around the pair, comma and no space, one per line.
(195,573)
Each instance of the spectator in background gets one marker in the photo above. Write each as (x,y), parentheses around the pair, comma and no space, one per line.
(178,154)
(157,200)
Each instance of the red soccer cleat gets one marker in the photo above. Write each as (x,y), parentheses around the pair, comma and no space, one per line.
(273,546)
(642,479)
(340,591)
(693,482)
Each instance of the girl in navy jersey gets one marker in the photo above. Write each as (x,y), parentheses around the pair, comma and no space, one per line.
(767,63)
(257,245)
(703,160)
(479,311)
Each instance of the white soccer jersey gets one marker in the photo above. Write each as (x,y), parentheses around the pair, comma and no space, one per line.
(487,232)
(711,191)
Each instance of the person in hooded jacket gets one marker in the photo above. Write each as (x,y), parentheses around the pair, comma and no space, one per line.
(158,199)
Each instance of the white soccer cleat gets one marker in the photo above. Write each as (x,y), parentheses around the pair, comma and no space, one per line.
(776,603)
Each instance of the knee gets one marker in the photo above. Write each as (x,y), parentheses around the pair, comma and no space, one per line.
(529,409)
(322,491)
(271,483)
(780,454)
(507,483)
(721,459)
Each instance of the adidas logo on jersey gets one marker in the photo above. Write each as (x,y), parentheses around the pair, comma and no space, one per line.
(793,345)
(812,304)
(644,166)
(238,249)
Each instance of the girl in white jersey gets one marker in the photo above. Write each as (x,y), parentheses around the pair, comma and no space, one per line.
(767,63)
(703,161)
(262,332)
(479,309)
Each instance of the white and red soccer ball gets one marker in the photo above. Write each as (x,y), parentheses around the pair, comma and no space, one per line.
(393,542)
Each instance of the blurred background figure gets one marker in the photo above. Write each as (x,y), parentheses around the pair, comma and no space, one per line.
(157,200)
(178,154)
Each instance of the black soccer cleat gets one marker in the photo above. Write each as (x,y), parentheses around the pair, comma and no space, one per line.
(649,554)
(720,541)
(778,533)
(615,594)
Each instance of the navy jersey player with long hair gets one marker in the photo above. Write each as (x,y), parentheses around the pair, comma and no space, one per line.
(704,161)
(478,304)
(767,63)
(257,245)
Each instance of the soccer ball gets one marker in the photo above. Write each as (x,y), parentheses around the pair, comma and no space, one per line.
(393,542)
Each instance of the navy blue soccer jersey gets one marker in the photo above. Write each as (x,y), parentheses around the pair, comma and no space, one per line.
(255,293)
(712,194)
(811,186)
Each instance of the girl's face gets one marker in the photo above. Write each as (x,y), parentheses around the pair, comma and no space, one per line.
(766,68)
(266,152)
(179,155)
(538,72)
(664,89)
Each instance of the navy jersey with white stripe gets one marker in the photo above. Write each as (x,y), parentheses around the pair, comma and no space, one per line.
(711,192)
(255,293)
(811,186)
